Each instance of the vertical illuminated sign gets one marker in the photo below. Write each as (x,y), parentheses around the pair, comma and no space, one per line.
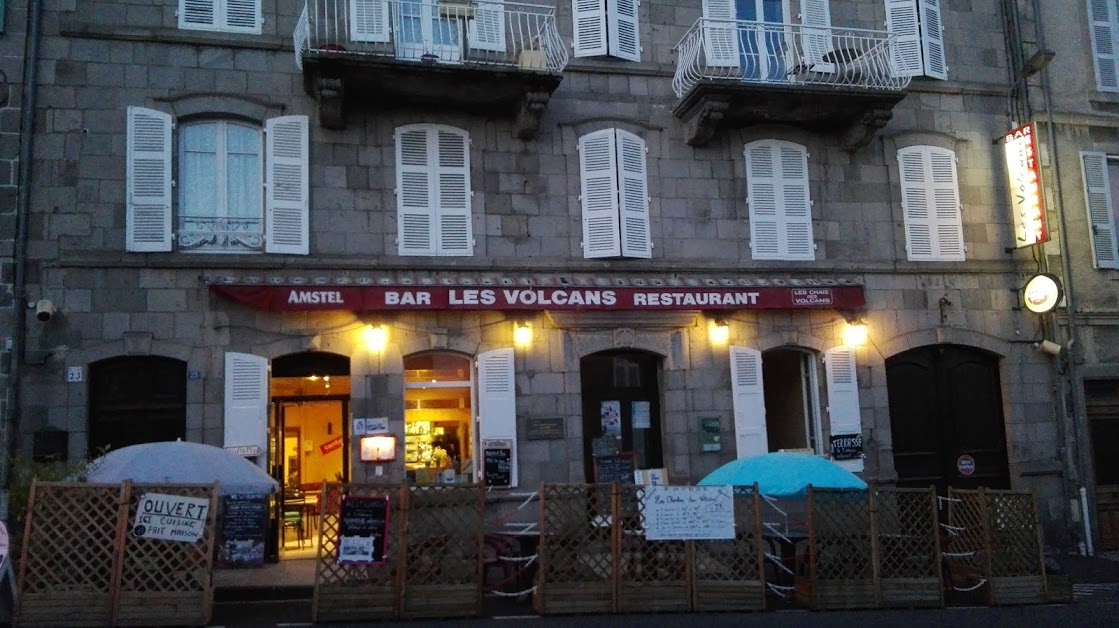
(1024,171)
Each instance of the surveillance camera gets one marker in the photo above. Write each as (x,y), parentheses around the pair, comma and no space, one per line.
(44,310)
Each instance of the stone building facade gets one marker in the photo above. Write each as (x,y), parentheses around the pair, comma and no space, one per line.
(159,310)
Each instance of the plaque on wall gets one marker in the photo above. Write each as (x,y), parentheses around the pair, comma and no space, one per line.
(551,428)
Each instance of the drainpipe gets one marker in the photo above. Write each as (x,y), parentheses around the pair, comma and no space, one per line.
(23,213)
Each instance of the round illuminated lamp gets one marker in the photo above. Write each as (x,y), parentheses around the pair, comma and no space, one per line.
(1042,293)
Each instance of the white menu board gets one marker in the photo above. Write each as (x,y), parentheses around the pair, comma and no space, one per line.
(684,513)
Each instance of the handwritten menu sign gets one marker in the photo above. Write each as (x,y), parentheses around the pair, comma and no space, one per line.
(605,446)
(244,519)
(363,526)
(618,468)
(497,466)
(684,513)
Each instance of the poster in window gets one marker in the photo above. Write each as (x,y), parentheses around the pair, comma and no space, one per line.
(363,525)
(642,419)
(611,415)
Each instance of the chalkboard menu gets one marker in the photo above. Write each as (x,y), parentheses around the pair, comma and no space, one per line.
(605,446)
(497,466)
(244,519)
(363,525)
(615,468)
(847,446)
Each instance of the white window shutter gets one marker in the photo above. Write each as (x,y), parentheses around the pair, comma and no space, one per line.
(843,398)
(369,20)
(242,15)
(930,201)
(633,197)
(287,193)
(497,401)
(246,403)
(946,204)
(720,34)
(452,179)
(415,173)
(762,196)
(198,14)
(487,30)
(932,39)
(1104,22)
(624,29)
(748,400)
(916,203)
(902,21)
(795,206)
(589,27)
(598,177)
(815,16)
(1101,217)
(148,190)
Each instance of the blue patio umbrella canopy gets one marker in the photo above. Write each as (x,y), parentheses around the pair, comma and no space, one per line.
(784,474)
(178,462)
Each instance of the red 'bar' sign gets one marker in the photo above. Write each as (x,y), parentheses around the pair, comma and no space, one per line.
(1027,203)
(412,298)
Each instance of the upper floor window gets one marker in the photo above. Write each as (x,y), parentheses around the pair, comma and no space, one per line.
(778,199)
(1101,189)
(239,190)
(231,16)
(1104,15)
(919,50)
(930,202)
(614,195)
(606,27)
(433,193)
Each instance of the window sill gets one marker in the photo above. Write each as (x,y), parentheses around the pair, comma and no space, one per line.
(83,29)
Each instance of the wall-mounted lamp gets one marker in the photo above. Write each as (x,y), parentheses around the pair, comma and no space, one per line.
(1037,62)
(855,334)
(522,334)
(378,448)
(718,331)
(376,338)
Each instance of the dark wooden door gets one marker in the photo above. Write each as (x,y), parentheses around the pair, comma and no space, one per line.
(136,399)
(1101,398)
(628,381)
(945,404)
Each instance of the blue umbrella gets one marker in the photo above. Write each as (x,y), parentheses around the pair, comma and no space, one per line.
(178,462)
(784,474)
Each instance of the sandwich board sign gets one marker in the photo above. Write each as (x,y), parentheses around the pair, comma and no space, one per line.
(171,517)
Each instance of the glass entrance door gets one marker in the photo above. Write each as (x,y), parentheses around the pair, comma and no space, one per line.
(421,30)
(762,44)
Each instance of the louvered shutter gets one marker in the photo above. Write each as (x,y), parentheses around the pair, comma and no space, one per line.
(148,190)
(1101,216)
(487,30)
(599,194)
(589,27)
(453,192)
(1102,14)
(816,18)
(720,34)
(287,187)
(369,20)
(633,197)
(946,203)
(930,204)
(198,14)
(777,194)
(908,52)
(415,172)
(624,29)
(795,206)
(843,398)
(497,402)
(748,400)
(932,39)
(242,16)
(246,403)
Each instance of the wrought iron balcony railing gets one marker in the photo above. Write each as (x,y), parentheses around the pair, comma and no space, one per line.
(224,235)
(469,32)
(791,54)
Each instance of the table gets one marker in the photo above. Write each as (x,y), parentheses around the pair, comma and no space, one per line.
(308,506)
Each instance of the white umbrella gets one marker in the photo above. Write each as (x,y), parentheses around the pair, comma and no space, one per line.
(178,462)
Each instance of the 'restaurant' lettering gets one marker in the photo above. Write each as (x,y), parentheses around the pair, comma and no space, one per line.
(695,298)
(314,297)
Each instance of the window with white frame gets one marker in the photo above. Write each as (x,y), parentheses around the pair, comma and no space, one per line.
(433,195)
(614,195)
(1104,18)
(919,48)
(1101,190)
(606,27)
(241,189)
(778,200)
(930,202)
(230,16)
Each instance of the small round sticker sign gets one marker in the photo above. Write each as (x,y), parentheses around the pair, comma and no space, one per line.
(965,464)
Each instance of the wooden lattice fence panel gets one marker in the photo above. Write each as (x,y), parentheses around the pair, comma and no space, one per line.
(576,551)
(653,576)
(1017,566)
(728,575)
(966,547)
(168,583)
(841,567)
(908,548)
(443,553)
(69,561)
(357,592)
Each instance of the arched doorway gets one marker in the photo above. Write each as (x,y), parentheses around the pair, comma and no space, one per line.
(621,400)
(438,411)
(136,399)
(946,418)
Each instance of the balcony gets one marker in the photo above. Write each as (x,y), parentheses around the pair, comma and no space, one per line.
(489,58)
(737,73)
(212,234)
